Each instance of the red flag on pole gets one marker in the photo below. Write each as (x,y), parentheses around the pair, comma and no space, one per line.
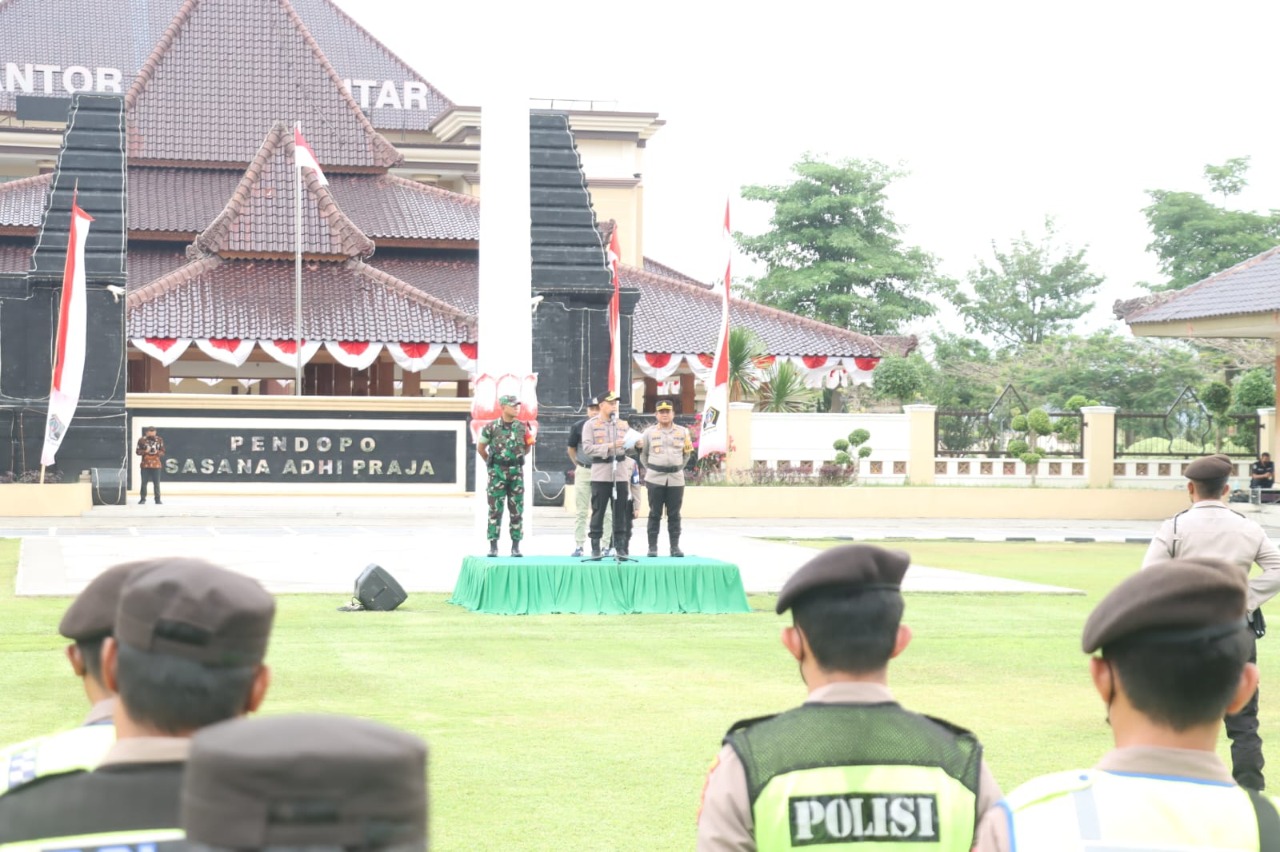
(615,319)
(305,157)
(714,437)
(69,354)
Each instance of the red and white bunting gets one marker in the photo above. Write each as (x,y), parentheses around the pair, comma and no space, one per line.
(859,370)
(356,354)
(658,366)
(415,357)
(166,350)
(284,350)
(463,354)
(233,352)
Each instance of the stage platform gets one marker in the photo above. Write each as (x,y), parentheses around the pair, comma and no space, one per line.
(538,585)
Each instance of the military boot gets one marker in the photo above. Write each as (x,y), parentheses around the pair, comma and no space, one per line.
(653,546)
(622,548)
(675,546)
(515,548)
(493,547)
(595,548)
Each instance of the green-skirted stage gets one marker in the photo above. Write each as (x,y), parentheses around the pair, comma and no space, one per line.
(536,585)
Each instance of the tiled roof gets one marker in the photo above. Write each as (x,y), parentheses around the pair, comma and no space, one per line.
(456,282)
(674,316)
(191,103)
(651,265)
(146,263)
(121,34)
(15,256)
(22,201)
(259,217)
(241,299)
(1249,287)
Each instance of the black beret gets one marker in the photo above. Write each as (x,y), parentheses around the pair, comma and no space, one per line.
(92,615)
(193,609)
(1175,600)
(852,565)
(1216,466)
(305,780)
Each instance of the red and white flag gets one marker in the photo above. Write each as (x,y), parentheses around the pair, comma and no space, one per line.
(714,437)
(68,357)
(615,319)
(305,157)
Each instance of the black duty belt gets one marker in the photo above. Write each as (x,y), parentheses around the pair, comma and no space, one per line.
(664,468)
(620,457)
(587,465)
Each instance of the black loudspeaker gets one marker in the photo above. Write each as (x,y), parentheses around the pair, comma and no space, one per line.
(377,590)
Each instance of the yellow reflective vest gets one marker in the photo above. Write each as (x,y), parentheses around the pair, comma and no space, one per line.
(66,751)
(1096,809)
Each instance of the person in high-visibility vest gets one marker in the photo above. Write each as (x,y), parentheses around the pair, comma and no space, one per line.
(187,652)
(87,622)
(1174,659)
(304,780)
(850,766)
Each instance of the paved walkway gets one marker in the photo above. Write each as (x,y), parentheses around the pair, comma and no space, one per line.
(320,544)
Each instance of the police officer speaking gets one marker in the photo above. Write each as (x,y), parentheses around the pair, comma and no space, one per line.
(1211,529)
(851,766)
(1174,650)
(603,442)
(664,449)
(503,445)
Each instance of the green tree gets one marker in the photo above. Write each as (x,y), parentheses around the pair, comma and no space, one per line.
(745,349)
(1253,390)
(833,251)
(899,378)
(1216,396)
(964,373)
(1033,290)
(784,389)
(1195,238)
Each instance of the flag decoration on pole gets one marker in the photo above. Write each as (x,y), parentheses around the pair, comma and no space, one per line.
(68,356)
(615,319)
(714,435)
(305,157)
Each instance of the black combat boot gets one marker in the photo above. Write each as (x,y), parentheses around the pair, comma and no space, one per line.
(493,547)
(653,546)
(595,548)
(675,546)
(515,548)
(622,547)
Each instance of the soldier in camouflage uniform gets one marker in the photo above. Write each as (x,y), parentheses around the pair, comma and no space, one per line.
(503,445)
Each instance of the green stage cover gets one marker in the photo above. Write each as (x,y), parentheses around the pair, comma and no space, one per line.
(537,585)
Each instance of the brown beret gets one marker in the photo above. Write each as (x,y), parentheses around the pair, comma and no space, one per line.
(1216,466)
(1175,600)
(193,609)
(92,615)
(305,780)
(852,565)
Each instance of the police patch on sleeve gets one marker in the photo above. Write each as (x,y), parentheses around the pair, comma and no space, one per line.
(883,817)
(22,768)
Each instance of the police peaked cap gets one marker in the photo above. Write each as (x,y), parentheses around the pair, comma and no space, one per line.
(855,566)
(1173,601)
(665,405)
(611,396)
(305,780)
(92,615)
(193,609)
(1209,468)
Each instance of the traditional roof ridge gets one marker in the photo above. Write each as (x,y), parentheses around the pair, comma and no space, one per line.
(384,154)
(171,281)
(24,183)
(391,53)
(672,272)
(214,239)
(765,310)
(1176,295)
(360,267)
(429,189)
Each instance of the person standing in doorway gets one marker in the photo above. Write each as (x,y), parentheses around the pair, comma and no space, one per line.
(151,448)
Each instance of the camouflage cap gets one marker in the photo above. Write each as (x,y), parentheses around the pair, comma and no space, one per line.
(852,565)
(508,399)
(92,615)
(1175,600)
(1216,466)
(305,780)
(193,609)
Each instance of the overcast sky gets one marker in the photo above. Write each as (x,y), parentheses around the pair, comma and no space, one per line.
(1001,112)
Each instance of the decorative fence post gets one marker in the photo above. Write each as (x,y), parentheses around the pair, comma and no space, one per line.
(1098,445)
(922,421)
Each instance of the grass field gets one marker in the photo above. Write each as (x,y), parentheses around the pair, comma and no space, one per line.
(594,733)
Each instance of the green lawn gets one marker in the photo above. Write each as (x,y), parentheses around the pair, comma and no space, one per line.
(577,732)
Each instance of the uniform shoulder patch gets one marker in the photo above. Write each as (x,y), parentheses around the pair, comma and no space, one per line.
(1049,787)
(747,723)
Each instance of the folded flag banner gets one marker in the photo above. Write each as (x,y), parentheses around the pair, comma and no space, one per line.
(68,354)
(615,319)
(714,436)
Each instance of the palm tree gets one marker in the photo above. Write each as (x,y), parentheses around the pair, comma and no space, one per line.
(784,390)
(745,349)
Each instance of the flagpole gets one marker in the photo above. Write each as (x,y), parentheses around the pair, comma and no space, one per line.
(297,272)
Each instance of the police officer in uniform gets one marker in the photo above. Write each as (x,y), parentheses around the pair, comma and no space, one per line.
(87,622)
(664,449)
(850,766)
(1174,646)
(305,781)
(503,445)
(582,487)
(1211,529)
(603,442)
(187,652)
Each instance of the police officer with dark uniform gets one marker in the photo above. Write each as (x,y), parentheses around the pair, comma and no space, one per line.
(503,446)
(1211,529)
(187,652)
(87,622)
(1174,647)
(305,781)
(664,449)
(604,444)
(850,766)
